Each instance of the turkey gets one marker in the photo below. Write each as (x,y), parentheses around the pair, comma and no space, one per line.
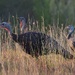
(70,38)
(33,42)
(23,25)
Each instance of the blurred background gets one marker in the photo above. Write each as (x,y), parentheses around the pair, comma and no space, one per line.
(53,11)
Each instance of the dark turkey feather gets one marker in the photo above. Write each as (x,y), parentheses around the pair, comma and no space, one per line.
(34,43)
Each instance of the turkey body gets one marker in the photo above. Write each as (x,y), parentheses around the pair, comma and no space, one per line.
(32,41)
(33,44)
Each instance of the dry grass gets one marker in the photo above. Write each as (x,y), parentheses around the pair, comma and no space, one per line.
(19,63)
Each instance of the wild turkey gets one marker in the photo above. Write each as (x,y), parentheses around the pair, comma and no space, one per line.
(23,25)
(70,38)
(33,42)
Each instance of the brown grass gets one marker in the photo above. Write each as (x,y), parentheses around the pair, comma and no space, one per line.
(17,62)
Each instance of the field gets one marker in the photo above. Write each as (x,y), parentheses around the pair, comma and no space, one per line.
(19,63)
(14,61)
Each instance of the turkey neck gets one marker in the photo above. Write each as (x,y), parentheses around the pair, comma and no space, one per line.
(70,34)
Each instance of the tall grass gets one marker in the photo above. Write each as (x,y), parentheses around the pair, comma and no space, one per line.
(14,61)
(19,63)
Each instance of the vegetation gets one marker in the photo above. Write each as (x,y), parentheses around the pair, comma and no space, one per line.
(53,11)
(49,13)
(14,61)
(19,63)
